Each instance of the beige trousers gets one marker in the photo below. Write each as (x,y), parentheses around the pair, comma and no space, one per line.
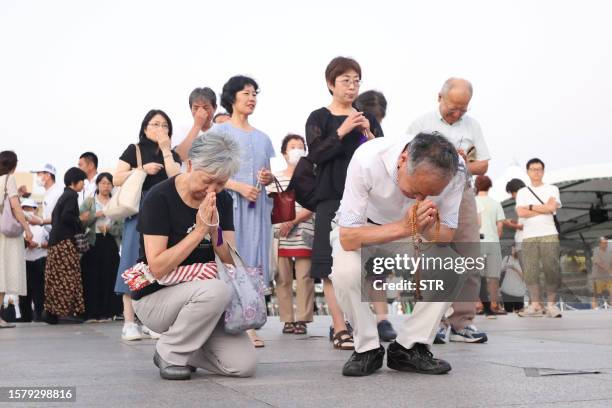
(468,233)
(304,292)
(188,317)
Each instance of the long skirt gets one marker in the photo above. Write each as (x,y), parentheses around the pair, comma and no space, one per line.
(100,265)
(130,251)
(12,265)
(63,285)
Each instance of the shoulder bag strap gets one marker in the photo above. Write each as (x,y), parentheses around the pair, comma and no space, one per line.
(138,156)
(5,193)
(536,196)
(279,188)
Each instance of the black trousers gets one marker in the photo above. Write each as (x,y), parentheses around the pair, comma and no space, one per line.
(99,268)
(512,303)
(35,281)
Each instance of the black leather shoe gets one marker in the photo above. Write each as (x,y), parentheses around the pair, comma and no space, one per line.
(365,363)
(386,331)
(171,372)
(418,359)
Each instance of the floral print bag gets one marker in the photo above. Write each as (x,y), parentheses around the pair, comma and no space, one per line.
(247,307)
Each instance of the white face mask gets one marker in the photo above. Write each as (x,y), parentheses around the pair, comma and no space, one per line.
(39,181)
(294,156)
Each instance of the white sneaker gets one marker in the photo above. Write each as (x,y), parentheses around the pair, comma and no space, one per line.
(146,332)
(553,311)
(130,332)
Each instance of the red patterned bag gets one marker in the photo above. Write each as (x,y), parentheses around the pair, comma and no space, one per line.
(139,276)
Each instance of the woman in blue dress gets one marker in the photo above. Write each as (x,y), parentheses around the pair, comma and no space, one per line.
(252,207)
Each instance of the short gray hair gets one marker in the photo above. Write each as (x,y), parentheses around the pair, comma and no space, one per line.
(435,151)
(205,94)
(452,82)
(215,152)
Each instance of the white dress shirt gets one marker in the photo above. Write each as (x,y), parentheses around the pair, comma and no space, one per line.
(371,190)
(464,133)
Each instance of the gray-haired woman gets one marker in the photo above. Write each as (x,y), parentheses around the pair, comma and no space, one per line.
(179,225)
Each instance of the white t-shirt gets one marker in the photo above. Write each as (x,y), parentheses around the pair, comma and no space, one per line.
(180,132)
(490,212)
(464,133)
(50,199)
(178,135)
(39,235)
(543,224)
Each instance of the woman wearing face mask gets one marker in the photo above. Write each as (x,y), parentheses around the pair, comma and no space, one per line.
(333,133)
(294,248)
(251,208)
(102,260)
(63,283)
(160,163)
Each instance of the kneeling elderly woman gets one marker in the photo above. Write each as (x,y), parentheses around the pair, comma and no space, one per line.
(178,223)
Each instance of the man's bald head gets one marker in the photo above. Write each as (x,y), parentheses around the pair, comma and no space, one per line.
(454,98)
(457,85)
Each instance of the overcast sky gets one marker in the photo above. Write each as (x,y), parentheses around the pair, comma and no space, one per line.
(77,76)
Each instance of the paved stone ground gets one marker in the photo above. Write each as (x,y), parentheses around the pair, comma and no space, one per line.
(526,363)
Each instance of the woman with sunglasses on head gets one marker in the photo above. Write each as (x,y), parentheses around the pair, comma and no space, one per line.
(333,134)
(160,163)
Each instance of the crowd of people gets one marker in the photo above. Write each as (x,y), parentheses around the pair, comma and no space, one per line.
(205,192)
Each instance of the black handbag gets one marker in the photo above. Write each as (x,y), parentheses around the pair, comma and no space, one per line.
(304,183)
(555,219)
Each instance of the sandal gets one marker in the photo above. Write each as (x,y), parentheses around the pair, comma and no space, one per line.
(341,339)
(349,328)
(257,342)
(300,328)
(289,328)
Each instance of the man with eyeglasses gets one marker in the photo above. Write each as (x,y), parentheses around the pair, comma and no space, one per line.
(537,204)
(465,134)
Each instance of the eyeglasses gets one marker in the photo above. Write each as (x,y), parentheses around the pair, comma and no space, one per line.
(536,170)
(347,82)
(452,111)
(159,125)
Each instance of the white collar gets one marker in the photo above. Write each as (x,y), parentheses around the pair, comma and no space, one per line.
(391,156)
(439,116)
